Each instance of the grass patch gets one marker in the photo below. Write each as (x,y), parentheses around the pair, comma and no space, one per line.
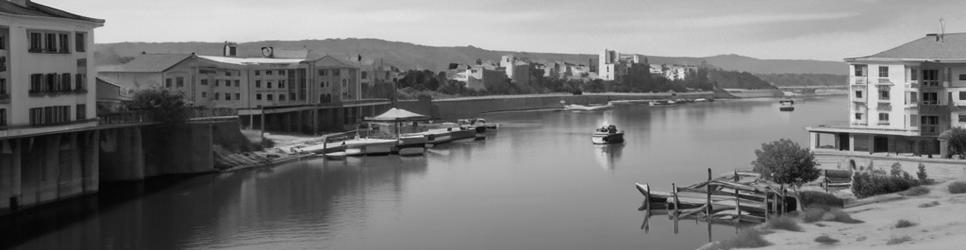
(784,223)
(929,204)
(824,239)
(816,214)
(904,224)
(819,199)
(813,214)
(841,216)
(898,240)
(957,187)
(916,191)
(748,238)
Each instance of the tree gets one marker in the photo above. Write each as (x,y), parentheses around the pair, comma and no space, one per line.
(161,104)
(957,141)
(785,162)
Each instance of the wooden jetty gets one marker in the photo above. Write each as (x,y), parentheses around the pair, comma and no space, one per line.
(737,197)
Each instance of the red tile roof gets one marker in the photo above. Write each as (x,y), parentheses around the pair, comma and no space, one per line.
(36,9)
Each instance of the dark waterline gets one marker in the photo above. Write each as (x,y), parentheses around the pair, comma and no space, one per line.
(536,184)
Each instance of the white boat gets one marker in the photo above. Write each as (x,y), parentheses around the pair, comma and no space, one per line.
(663,103)
(369,146)
(786,105)
(411,145)
(608,135)
(578,107)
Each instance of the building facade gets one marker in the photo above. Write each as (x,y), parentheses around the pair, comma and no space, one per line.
(902,100)
(46,71)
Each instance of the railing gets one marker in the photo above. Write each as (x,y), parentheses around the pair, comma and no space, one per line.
(931,84)
(130,117)
(912,84)
(860,80)
(211,112)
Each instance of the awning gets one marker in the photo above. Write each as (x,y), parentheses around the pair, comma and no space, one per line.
(397,115)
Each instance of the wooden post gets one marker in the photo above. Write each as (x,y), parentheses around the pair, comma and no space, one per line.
(674,192)
(708,201)
(737,207)
(736,176)
(647,198)
(825,175)
(765,205)
(784,200)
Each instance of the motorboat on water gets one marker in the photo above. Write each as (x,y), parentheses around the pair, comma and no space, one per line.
(608,135)
(786,105)
(478,122)
(663,102)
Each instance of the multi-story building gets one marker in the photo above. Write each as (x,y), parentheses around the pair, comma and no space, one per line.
(612,66)
(333,80)
(45,71)
(901,100)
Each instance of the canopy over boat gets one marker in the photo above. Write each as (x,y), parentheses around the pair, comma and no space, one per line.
(397,115)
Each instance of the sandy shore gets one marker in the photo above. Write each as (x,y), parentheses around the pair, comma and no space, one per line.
(942,226)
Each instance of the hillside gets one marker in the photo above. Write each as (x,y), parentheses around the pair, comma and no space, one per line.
(805,79)
(414,56)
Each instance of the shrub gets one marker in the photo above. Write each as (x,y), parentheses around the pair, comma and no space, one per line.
(166,106)
(916,191)
(896,170)
(869,184)
(748,238)
(957,187)
(813,214)
(841,216)
(956,140)
(784,223)
(824,239)
(898,240)
(819,199)
(921,174)
(785,162)
(904,224)
(929,204)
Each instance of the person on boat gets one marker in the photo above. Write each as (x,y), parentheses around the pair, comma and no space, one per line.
(612,129)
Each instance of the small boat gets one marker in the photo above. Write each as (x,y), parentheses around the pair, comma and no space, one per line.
(578,107)
(608,135)
(411,145)
(786,105)
(663,103)
(369,146)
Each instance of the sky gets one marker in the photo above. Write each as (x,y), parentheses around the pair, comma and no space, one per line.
(771,29)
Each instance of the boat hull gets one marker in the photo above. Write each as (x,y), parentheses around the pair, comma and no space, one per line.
(607,138)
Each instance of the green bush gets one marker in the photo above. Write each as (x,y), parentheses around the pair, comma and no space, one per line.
(957,187)
(916,191)
(824,239)
(786,162)
(896,170)
(869,184)
(904,224)
(921,174)
(784,223)
(819,199)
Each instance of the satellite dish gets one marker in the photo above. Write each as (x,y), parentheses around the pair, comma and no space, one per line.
(268,51)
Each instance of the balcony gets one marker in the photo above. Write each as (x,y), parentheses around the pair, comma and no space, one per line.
(884,107)
(912,85)
(859,80)
(912,105)
(932,84)
(884,82)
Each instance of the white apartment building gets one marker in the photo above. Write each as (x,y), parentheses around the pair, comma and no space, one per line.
(46,68)
(901,100)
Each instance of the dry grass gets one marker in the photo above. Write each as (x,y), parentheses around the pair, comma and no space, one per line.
(824,239)
(841,216)
(815,214)
(916,191)
(898,240)
(748,238)
(957,187)
(784,223)
(819,199)
(904,224)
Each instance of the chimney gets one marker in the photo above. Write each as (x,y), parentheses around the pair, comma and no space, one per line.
(22,3)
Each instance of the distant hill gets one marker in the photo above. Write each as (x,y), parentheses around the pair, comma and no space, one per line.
(805,79)
(414,56)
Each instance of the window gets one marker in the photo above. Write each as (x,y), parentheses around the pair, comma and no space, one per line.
(858,116)
(51,81)
(268,84)
(913,97)
(258,72)
(3,87)
(883,117)
(204,81)
(51,39)
(227,96)
(858,94)
(962,118)
(962,77)
(962,95)
(80,81)
(914,74)
(883,72)
(859,70)
(65,80)
(81,112)
(3,42)
(216,82)
(258,83)
(268,72)
(883,95)
(180,81)
(237,96)
(167,82)
(281,72)
(281,97)
(3,117)
(204,94)
(322,72)
(258,96)
(281,84)
(36,83)
(364,74)
(913,120)
(64,43)
(80,41)
(930,98)
(227,73)
(930,77)
(237,83)
(336,72)
(36,42)
(217,95)
(268,97)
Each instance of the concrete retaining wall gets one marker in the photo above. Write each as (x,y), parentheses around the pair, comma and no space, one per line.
(43,169)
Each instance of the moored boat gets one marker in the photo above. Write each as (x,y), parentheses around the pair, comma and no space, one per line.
(786,105)
(578,107)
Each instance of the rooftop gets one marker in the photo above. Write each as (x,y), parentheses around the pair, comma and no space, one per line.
(250,60)
(39,10)
(147,63)
(949,46)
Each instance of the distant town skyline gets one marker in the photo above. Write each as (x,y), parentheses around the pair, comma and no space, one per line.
(822,30)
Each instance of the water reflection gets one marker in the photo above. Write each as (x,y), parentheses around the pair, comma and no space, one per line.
(607,155)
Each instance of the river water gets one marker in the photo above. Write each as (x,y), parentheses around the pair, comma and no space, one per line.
(538,183)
